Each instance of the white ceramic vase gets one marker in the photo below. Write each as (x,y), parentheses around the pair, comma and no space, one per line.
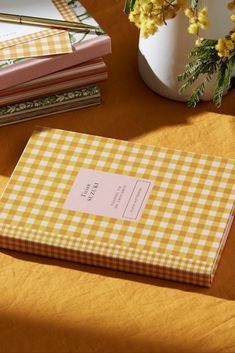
(164,55)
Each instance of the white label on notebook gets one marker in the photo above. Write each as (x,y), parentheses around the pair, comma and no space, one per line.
(109,194)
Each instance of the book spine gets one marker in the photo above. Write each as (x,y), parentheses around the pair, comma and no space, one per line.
(57,98)
(30,69)
(89,68)
(52,89)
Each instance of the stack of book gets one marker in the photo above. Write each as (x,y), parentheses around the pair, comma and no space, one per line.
(43,85)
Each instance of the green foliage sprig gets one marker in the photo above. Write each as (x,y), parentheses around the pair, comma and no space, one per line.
(209,59)
(194,3)
(204,65)
(129,4)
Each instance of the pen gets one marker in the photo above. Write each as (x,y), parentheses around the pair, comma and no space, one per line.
(45,22)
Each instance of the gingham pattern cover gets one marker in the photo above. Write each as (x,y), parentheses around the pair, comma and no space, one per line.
(48,42)
(181,232)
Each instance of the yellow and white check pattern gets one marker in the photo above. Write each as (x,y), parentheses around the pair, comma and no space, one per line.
(48,42)
(56,44)
(182,230)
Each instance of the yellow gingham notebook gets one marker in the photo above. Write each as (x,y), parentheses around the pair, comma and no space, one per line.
(143,209)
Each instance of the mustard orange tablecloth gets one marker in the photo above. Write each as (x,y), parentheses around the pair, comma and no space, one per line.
(53,306)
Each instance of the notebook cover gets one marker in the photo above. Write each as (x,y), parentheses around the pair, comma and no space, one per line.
(85,47)
(122,205)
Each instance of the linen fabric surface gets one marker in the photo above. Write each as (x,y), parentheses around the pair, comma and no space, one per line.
(49,305)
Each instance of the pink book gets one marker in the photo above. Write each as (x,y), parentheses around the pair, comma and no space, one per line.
(86,47)
(77,76)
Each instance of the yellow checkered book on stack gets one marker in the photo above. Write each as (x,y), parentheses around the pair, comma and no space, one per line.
(122,205)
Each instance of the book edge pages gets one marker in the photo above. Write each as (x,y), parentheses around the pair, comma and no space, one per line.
(109,262)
